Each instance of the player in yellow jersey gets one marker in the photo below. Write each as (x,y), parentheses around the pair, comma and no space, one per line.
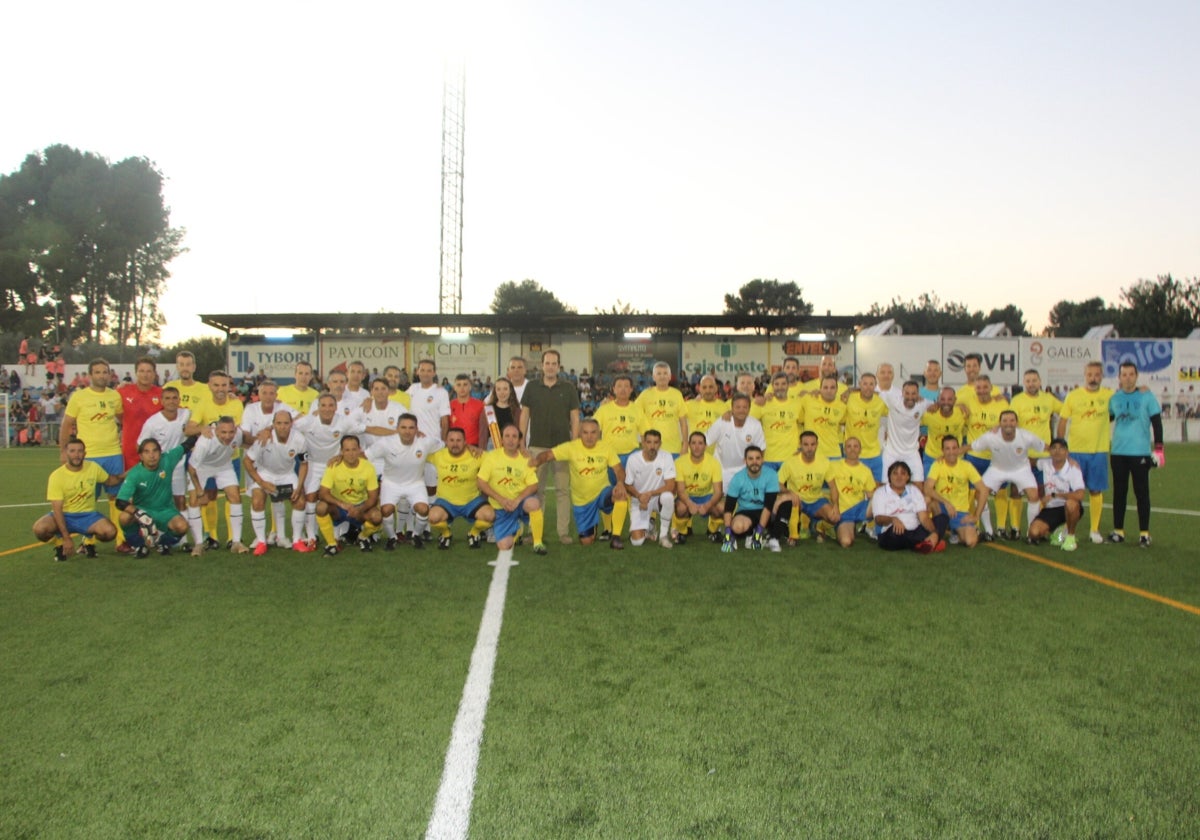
(865,411)
(619,419)
(946,418)
(93,415)
(827,368)
(698,491)
(802,484)
(966,394)
(458,493)
(299,395)
(192,393)
(780,416)
(592,492)
(664,410)
(71,491)
(948,489)
(349,492)
(1035,410)
(983,415)
(510,485)
(825,415)
(707,408)
(391,375)
(1085,414)
(851,483)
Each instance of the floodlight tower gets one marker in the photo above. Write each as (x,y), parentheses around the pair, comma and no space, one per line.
(454,104)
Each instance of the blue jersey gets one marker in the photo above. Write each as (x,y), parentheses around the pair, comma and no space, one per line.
(751,492)
(1131,434)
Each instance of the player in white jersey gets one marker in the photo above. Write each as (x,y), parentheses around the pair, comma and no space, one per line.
(271,472)
(357,389)
(403,456)
(1010,448)
(323,431)
(729,438)
(212,459)
(1062,497)
(431,405)
(650,483)
(902,427)
(347,405)
(382,416)
(260,416)
(167,427)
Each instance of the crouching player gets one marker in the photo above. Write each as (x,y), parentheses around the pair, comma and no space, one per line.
(851,483)
(71,491)
(802,479)
(147,499)
(948,487)
(1062,499)
(700,490)
(271,467)
(458,495)
(349,492)
(510,485)
(749,500)
(590,460)
(650,483)
(211,469)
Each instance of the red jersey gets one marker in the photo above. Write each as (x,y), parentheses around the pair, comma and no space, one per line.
(465,416)
(136,407)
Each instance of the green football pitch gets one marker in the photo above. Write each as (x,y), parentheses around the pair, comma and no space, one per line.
(1006,691)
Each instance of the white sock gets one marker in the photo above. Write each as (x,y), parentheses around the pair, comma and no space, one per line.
(298,517)
(196,524)
(235,521)
(310,520)
(258,521)
(277,511)
(667,501)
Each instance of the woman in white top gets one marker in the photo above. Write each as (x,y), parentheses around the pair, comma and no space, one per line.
(901,514)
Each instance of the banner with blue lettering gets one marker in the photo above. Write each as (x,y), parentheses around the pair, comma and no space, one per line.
(1154,359)
(275,358)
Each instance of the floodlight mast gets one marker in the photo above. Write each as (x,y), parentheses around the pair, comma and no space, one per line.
(454,103)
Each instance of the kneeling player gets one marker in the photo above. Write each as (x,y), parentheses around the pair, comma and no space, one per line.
(1063,500)
(71,492)
(211,469)
(948,489)
(650,483)
(510,485)
(403,458)
(700,490)
(271,467)
(591,459)
(749,500)
(147,499)
(802,482)
(349,492)
(851,483)
(458,495)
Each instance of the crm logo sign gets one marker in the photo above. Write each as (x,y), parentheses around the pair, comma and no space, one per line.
(1149,356)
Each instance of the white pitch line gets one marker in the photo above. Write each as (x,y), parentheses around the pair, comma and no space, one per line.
(452,808)
(1161,510)
(31,504)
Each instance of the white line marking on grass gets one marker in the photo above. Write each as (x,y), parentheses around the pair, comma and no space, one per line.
(452,808)
(1165,510)
(31,504)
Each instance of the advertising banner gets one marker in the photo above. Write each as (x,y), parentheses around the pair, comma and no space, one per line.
(376,352)
(635,356)
(1153,357)
(475,355)
(809,353)
(907,354)
(254,355)
(1060,361)
(725,356)
(1000,359)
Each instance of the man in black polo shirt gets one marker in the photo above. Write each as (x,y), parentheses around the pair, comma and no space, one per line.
(552,403)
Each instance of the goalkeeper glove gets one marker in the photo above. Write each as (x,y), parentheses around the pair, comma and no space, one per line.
(1160,457)
(727,543)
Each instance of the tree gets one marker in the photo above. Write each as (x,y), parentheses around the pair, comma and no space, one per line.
(527,298)
(1071,319)
(927,315)
(1011,316)
(768,297)
(622,308)
(1163,307)
(94,239)
(209,352)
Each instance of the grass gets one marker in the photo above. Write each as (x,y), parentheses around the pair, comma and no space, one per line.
(648,693)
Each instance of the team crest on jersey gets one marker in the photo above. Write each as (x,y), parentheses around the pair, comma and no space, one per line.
(154,400)
(291,453)
(336,435)
(419,454)
(162,474)
(748,438)
(391,421)
(658,471)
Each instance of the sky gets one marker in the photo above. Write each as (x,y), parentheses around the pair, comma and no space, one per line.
(659,154)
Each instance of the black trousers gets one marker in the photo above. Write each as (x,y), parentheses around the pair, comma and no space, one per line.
(889,540)
(1125,467)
